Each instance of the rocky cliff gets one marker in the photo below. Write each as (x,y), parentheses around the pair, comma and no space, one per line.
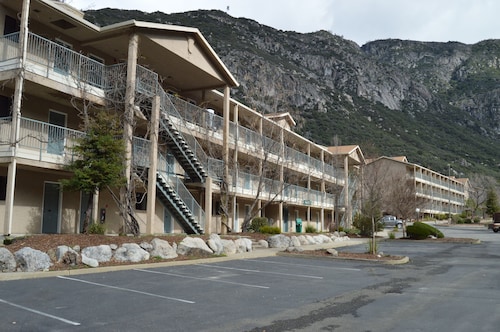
(436,103)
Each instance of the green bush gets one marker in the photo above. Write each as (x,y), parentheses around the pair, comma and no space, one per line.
(477,220)
(392,236)
(258,223)
(310,229)
(420,230)
(364,224)
(270,230)
(96,228)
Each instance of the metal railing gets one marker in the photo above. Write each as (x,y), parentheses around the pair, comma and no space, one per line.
(178,186)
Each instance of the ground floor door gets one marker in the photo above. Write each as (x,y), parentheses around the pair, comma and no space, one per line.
(285,219)
(84,205)
(51,207)
(167,221)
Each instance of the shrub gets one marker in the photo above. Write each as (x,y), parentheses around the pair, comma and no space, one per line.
(420,230)
(477,220)
(96,228)
(364,224)
(392,236)
(310,229)
(258,223)
(270,230)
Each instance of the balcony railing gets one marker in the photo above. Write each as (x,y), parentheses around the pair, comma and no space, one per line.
(40,140)
(248,184)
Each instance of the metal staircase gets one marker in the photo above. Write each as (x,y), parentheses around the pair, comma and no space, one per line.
(181,150)
(169,193)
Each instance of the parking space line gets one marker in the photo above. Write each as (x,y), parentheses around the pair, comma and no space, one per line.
(204,279)
(41,313)
(259,271)
(305,265)
(127,290)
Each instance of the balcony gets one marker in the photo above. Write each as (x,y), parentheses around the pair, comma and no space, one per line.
(39,141)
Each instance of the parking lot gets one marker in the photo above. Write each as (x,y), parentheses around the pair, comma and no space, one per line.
(270,293)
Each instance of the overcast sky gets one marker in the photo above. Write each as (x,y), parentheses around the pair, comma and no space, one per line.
(466,21)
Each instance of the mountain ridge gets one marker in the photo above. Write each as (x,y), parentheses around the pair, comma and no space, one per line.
(436,103)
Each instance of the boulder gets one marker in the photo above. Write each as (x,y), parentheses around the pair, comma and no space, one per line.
(146,246)
(66,255)
(310,239)
(294,249)
(163,249)
(193,246)
(229,247)
(89,261)
(303,240)
(32,260)
(278,241)
(214,242)
(263,243)
(332,252)
(131,252)
(100,253)
(7,261)
(294,241)
(243,245)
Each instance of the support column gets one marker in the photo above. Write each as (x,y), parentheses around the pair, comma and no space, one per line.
(347,200)
(153,165)
(225,146)
(209,226)
(133,46)
(16,120)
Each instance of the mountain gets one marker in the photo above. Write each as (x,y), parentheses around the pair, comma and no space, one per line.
(436,103)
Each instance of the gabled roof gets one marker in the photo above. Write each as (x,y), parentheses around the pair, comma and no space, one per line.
(180,55)
(281,116)
(352,151)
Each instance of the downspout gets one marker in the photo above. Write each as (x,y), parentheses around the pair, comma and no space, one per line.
(16,119)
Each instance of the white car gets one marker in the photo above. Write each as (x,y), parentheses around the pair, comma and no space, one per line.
(391,221)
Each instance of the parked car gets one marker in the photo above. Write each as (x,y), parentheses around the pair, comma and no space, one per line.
(391,221)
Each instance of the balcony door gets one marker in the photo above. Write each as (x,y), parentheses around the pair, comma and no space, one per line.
(55,143)
(62,57)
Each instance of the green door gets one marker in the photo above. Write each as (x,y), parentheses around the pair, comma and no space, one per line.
(167,221)
(51,200)
(56,133)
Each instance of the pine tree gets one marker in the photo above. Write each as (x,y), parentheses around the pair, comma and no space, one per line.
(492,205)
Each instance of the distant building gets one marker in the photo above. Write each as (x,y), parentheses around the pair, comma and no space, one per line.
(438,193)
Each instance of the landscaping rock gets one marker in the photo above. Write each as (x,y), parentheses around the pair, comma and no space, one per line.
(278,241)
(7,261)
(332,252)
(294,241)
(263,243)
(163,249)
(89,261)
(214,242)
(100,253)
(66,255)
(131,252)
(243,245)
(229,247)
(190,246)
(32,260)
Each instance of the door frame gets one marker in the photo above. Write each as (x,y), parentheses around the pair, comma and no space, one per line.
(63,140)
(59,206)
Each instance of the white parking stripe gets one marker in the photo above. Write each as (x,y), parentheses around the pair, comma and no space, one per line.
(259,271)
(204,279)
(40,313)
(306,265)
(128,290)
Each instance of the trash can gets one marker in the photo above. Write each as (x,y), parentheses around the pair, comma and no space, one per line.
(298,225)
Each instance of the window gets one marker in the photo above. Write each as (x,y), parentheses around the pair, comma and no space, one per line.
(11,25)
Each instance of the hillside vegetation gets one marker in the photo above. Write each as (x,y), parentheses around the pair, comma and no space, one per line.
(436,103)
